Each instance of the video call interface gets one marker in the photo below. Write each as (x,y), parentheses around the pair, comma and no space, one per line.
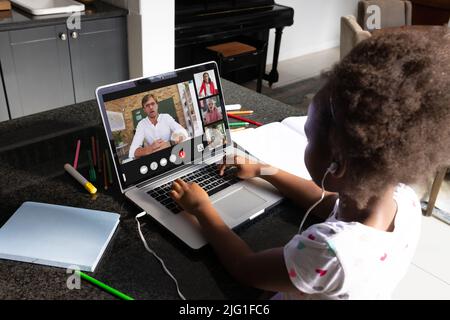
(149,122)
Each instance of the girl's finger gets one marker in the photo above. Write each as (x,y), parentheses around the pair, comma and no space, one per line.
(183,184)
(174,195)
(228,161)
(222,168)
(176,187)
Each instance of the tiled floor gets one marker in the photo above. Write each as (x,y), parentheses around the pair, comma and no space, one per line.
(301,68)
(429,274)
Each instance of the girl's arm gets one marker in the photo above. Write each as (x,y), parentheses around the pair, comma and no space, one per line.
(302,192)
(264,270)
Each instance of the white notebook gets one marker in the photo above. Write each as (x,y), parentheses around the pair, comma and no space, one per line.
(57,236)
(280,144)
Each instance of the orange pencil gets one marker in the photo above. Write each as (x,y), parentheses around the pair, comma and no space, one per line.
(241,112)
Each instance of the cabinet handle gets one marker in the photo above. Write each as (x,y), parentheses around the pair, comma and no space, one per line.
(63,36)
(74,34)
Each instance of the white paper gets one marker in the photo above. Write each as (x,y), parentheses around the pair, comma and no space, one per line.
(278,145)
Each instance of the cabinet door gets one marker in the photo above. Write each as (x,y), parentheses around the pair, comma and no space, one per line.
(4,41)
(3,106)
(99,54)
(36,70)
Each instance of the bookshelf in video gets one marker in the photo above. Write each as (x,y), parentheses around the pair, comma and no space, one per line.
(151,121)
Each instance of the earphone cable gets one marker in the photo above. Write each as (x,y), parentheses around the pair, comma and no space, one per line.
(315,204)
(156,256)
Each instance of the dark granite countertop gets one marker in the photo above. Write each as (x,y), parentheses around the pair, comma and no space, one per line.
(33,150)
(19,19)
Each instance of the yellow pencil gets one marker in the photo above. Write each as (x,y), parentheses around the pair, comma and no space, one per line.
(241,112)
(238,129)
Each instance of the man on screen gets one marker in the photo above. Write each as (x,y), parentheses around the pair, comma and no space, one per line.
(158,130)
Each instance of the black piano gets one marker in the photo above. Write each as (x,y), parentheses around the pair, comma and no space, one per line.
(200,23)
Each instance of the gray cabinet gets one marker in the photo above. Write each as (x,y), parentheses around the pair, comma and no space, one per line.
(36,70)
(99,55)
(50,67)
(3,106)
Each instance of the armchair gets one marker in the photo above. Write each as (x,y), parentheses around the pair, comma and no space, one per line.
(351,34)
(394,13)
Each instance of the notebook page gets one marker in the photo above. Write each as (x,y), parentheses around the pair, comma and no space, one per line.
(277,145)
(296,123)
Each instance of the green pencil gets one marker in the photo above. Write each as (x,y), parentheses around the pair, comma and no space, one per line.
(238,124)
(103,286)
(92,175)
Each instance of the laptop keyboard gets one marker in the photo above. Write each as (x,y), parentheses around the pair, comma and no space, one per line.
(207,177)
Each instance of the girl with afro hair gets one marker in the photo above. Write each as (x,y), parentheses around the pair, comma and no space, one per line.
(381,123)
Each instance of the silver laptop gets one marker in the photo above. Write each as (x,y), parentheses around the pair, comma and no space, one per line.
(174,125)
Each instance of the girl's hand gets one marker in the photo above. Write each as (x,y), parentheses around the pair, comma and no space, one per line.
(246,168)
(190,196)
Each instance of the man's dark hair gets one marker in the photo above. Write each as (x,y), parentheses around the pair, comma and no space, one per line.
(390,102)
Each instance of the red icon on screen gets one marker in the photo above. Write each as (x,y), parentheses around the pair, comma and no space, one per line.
(181,154)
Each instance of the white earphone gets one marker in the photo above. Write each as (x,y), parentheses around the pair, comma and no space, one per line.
(331,169)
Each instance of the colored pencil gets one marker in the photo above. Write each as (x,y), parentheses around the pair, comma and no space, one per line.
(108,164)
(105,172)
(94,156)
(238,124)
(241,112)
(92,175)
(97,146)
(238,129)
(258,124)
(77,154)
(103,286)
(231,107)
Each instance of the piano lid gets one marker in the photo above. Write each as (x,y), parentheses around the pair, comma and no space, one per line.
(196,7)
(199,21)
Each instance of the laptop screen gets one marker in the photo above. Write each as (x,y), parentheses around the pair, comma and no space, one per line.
(159,123)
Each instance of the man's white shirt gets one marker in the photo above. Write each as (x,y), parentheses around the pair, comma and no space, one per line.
(145,130)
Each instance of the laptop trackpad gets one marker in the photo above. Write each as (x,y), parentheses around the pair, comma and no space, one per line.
(239,203)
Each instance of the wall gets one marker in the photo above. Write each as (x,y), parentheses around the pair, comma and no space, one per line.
(158,36)
(151,36)
(316,26)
